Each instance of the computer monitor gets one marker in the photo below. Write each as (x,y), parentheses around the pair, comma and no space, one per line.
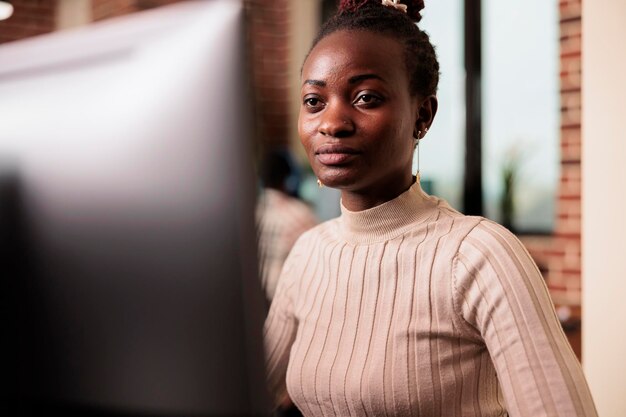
(128,263)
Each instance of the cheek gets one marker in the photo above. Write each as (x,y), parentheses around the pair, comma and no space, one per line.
(404,133)
(396,138)
(305,131)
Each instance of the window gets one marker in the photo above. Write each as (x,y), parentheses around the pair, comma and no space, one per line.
(442,152)
(521,109)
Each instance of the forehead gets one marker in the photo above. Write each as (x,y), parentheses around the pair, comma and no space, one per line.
(345,53)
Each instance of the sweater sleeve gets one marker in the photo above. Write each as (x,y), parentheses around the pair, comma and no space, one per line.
(281,327)
(501,294)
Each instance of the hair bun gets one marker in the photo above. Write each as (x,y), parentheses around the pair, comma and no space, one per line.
(414,7)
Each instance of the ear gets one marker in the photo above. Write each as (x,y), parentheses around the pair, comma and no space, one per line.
(426,114)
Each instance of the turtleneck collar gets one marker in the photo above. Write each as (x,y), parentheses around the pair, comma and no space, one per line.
(388,220)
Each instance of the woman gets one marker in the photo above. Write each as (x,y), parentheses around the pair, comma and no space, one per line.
(403,306)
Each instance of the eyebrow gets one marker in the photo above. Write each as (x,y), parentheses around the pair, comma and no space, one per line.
(317,83)
(352,80)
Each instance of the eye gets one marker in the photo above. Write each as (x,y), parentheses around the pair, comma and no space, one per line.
(312,103)
(368,100)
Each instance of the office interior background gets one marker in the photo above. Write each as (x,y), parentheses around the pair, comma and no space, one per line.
(530,99)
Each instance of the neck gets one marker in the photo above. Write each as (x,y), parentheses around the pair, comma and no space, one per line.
(359,200)
(387,220)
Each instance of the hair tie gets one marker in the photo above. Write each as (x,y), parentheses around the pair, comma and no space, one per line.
(395,4)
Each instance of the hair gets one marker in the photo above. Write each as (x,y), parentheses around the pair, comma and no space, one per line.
(372,16)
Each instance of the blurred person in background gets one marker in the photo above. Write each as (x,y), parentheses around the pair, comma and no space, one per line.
(403,306)
(281,216)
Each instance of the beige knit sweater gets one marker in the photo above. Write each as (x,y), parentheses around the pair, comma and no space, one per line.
(281,220)
(412,309)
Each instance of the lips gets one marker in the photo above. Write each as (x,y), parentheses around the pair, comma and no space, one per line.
(335,154)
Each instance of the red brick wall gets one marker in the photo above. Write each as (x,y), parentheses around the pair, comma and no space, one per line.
(269,58)
(568,221)
(104,9)
(559,255)
(36,17)
(30,18)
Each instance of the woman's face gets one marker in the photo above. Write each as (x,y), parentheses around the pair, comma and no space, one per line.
(357,116)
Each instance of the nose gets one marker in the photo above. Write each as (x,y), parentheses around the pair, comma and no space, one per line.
(336,122)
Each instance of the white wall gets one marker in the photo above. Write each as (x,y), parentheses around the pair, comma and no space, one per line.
(604,203)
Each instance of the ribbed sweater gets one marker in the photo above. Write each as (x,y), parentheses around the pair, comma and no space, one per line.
(281,220)
(413,309)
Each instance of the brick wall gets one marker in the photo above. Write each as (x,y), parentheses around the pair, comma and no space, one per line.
(567,275)
(269,58)
(104,9)
(37,17)
(30,18)
(559,255)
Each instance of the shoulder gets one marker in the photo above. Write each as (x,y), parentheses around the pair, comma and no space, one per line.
(492,239)
(459,229)
(449,227)
(445,217)
(491,250)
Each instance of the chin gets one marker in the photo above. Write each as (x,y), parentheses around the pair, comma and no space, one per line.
(339,180)
(351,176)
